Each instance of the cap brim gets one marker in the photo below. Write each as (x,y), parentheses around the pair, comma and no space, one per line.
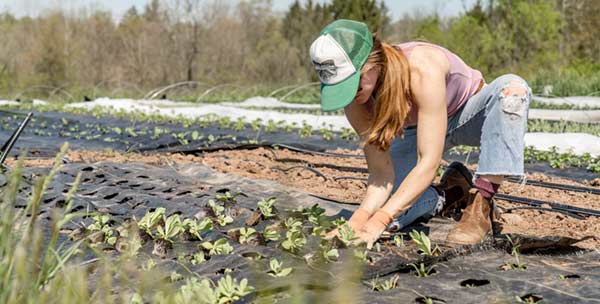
(339,95)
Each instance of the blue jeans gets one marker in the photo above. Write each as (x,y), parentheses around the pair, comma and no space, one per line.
(489,119)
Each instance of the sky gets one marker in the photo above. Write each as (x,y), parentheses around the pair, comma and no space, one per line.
(397,7)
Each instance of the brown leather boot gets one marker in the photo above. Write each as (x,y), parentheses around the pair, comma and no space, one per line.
(475,222)
(455,183)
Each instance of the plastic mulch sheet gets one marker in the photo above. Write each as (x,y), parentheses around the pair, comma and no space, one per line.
(551,271)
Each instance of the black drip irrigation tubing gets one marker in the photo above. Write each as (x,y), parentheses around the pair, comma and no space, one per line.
(542,204)
(556,186)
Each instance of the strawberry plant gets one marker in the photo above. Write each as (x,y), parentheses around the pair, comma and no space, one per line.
(219,247)
(227,197)
(294,241)
(166,233)
(270,234)
(196,229)
(219,213)
(102,228)
(346,234)
(277,270)
(151,219)
(229,290)
(266,207)
(246,234)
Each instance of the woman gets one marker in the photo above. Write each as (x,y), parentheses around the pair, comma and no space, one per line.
(409,103)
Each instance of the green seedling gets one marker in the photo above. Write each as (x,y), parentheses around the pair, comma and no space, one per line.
(101,223)
(277,270)
(421,270)
(398,241)
(246,234)
(271,234)
(362,255)
(175,276)
(330,255)
(424,244)
(219,212)
(230,291)
(306,130)
(384,285)
(292,224)
(266,207)
(255,124)
(198,258)
(196,135)
(196,229)
(294,241)
(518,265)
(151,220)
(171,228)
(240,124)
(346,234)
(271,126)
(195,291)
(227,197)
(219,247)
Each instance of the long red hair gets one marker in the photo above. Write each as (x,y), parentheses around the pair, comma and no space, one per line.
(392,94)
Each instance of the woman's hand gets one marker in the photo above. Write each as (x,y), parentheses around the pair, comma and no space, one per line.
(374,227)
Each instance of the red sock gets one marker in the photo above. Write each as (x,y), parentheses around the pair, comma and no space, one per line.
(485,187)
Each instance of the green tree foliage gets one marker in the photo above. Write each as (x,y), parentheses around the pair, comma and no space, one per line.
(549,42)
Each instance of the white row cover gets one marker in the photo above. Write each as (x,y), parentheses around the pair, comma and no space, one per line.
(577,143)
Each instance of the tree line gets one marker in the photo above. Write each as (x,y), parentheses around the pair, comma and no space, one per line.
(549,42)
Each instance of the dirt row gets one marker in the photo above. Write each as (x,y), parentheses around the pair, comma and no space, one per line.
(290,168)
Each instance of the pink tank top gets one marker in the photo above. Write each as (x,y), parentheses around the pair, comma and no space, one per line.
(462,81)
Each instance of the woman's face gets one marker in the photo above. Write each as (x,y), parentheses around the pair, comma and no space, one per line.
(368,82)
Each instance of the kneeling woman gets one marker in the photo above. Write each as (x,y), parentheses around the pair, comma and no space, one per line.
(409,103)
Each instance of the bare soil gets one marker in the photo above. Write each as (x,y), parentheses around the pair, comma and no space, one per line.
(290,168)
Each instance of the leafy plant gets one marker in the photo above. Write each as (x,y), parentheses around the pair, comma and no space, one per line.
(219,247)
(198,258)
(306,130)
(229,290)
(399,241)
(346,234)
(378,285)
(421,270)
(170,229)
(271,234)
(277,270)
(266,207)
(518,265)
(194,291)
(101,224)
(227,197)
(424,243)
(246,234)
(219,212)
(151,220)
(195,228)
(292,224)
(294,241)
(330,255)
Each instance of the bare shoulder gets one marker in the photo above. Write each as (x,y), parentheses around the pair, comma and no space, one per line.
(428,60)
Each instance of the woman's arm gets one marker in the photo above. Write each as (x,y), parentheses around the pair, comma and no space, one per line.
(379,163)
(428,84)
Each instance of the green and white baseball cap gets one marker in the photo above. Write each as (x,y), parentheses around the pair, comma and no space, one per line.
(338,55)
